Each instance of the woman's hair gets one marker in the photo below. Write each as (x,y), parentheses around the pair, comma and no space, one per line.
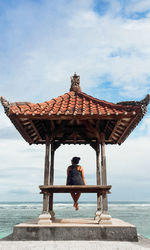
(75,160)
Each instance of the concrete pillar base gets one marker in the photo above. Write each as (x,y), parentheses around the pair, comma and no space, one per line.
(105,219)
(45,219)
(98,215)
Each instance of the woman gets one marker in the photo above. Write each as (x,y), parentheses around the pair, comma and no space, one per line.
(75,176)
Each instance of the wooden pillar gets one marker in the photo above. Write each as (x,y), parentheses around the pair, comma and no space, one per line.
(98,175)
(52,166)
(46,174)
(103,171)
(98,179)
(51,181)
(45,217)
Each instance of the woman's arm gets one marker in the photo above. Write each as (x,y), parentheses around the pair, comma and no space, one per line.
(67,175)
(82,173)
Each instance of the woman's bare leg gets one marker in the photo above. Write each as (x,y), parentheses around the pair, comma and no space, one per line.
(73,197)
(76,200)
(77,196)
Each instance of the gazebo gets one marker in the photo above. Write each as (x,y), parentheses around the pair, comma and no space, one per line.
(75,118)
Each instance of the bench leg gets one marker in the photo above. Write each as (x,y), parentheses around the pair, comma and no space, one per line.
(51,207)
(99,209)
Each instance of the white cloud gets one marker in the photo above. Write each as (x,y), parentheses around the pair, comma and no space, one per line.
(4,120)
(138,6)
(46,50)
(41,46)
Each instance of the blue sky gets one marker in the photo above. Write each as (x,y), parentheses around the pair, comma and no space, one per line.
(42,43)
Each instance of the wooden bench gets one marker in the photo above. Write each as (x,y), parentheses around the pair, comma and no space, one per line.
(49,190)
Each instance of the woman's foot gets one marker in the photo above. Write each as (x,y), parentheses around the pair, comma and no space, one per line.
(76,206)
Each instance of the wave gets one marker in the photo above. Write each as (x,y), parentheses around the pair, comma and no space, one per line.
(17,206)
(130,205)
(69,204)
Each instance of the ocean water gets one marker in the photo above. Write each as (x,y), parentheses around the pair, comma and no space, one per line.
(12,213)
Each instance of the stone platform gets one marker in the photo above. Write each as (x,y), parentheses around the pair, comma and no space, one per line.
(75,229)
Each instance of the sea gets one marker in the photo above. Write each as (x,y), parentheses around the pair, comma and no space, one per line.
(136,213)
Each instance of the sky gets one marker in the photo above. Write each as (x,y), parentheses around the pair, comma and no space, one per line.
(42,43)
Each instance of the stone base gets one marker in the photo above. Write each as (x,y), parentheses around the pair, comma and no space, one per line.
(105,219)
(45,219)
(97,215)
(76,229)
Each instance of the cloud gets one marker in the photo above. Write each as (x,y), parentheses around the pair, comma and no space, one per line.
(145,128)
(19,191)
(47,47)
(136,6)
(9,133)
(43,43)
(128,166)
(4,120)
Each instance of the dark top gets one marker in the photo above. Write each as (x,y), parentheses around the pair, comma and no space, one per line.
(75,176)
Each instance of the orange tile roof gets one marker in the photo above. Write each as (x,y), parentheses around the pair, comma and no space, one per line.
(71,104)
(118,119)
(35,121)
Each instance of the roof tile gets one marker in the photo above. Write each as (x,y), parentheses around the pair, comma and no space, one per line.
(73,103)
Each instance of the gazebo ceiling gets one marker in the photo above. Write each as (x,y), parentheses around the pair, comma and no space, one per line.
(75,117)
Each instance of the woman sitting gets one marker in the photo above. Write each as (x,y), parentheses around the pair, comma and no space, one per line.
(75,176)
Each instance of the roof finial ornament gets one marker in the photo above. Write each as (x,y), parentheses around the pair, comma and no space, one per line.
(5,104)
(146,100)
(75,83)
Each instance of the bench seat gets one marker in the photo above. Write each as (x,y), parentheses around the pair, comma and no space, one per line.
(99,189)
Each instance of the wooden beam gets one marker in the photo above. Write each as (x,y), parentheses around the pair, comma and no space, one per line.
(52,124)
(51,181)
(105,129)
(83,135)
(98,165)
(103,160)
(103,171)
(46,168)
(93,145)
(26,122)
(97,124)
(44,128)
(59,128)
(98,175)
(35,130)
(56,145)
(47,126)
(78,122)
(66,135)
(92,121)
(75,137)
(125,131)
(46,174)
(120,129)
(52,165)
(79,117)
(93,129)
(114,130)
(76,188)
